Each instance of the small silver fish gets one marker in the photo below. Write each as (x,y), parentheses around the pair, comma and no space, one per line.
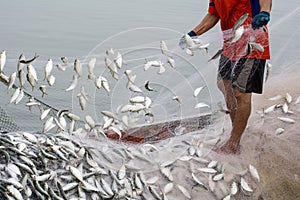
(78,67)
(119,60)
(240,21)
(64,60)
(219,52)
(28,62)
(31,70)
(164,49)
(48,68)
(257,46)
(51,80)
(73,83)
(2,60)
(11,80)
(148,87)
(43,90)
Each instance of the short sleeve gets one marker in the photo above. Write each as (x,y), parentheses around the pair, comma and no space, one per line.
(212,8)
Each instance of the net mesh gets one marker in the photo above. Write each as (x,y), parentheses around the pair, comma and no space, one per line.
(6,122)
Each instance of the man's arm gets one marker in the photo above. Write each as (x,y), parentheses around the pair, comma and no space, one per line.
(265,5)
(207,23)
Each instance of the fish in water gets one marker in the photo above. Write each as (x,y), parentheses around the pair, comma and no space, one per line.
(28,62)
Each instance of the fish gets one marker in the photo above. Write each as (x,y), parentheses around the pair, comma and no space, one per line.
(201,105)
(15,95)
(64,59)
(22,78)
(2,60)
(48,68)
(279,131)
(104,83)
(51,80)
(257,46)
(28,62)
(171,62)
(240,21)
(227,197)
(197,180)
(245,185)
(82,102)
(73,84)
(43,90)
(254,173)
(164,49)
(216,55)
(184,191)
(269,109)
(19,65)
(60,67)
(11,80)
(110,51)
(287,120)
(148,87)
(134,88)
(198,90)
(288,98)
(31,70)
(91,66)
(119,60)
(78,67)
(110,65)
(31,80)
(237,34)
(168,188)
(45,113)
(233,188)
(218,177)
(48,125)
(268,72)
(176,98)
(208,170)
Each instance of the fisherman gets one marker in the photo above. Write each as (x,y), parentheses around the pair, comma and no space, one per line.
(241,67)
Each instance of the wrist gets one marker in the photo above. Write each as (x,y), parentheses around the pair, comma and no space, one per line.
(192,33)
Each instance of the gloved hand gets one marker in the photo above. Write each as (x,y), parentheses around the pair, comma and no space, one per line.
(260,19)
(182,42)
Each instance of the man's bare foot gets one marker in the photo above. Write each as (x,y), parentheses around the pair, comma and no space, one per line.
(228,148)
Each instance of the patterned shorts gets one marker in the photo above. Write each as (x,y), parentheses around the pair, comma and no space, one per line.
(246,74)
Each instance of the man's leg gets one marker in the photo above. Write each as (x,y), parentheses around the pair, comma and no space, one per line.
(239,124)
(230,99)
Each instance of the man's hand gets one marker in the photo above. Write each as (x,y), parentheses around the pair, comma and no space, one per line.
(260,19)
(182,42)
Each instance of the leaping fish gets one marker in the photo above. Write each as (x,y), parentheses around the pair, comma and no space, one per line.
(240,21)
(2,60)
(48,68)
(28,62)
(164,49)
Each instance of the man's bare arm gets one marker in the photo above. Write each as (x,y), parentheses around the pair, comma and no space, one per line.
(207,23)
(265,5)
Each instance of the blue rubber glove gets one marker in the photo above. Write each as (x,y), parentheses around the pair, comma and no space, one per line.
(182,42)
(260,19)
